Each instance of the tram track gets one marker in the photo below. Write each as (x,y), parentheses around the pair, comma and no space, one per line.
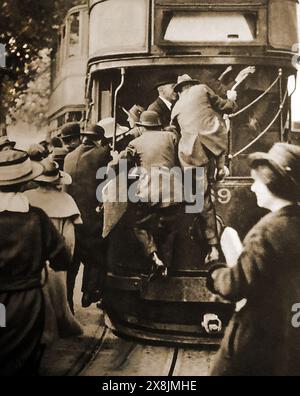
(115,356)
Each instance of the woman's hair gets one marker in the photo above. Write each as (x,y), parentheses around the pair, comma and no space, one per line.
(278,184)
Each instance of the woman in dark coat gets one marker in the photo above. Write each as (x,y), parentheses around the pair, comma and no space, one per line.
(260,338)
(27,240)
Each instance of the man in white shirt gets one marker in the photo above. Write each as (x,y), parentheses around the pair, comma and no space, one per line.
(166,98)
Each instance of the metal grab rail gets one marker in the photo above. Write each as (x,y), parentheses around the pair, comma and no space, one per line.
(258,98)
(231,156)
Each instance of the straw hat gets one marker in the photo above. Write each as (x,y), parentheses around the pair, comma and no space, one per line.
(16,168)
(52,174)
(4,141)
(184,80)
(108,125)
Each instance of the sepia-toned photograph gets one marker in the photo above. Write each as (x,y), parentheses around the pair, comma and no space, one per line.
(149,190)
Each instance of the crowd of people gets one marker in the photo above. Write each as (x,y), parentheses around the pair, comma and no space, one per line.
(49,226)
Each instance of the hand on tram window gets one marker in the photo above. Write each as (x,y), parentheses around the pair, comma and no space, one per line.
(244,73)
(232,95)
(212,255)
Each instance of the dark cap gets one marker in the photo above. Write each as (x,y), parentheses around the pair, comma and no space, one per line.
(69,130)
(95,131)
(165,80)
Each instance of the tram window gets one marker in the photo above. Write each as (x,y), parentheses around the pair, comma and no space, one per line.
(74,45)
(110,34)
(194,27)
(283,23)
(74,116)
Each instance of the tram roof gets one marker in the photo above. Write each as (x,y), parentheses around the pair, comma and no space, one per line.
(164,28)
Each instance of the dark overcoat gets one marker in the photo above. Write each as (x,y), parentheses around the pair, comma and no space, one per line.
(27,241)
(162,110)
(261,339)
(82,164)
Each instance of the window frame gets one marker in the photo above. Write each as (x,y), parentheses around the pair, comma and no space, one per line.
(162,10)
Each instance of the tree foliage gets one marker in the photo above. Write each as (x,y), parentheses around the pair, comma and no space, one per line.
(27,28)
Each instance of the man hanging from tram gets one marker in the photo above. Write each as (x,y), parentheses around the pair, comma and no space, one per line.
(198,116)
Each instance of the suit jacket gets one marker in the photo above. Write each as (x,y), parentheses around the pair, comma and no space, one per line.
(162,110)
(198,114)
(156,153)
(260,339)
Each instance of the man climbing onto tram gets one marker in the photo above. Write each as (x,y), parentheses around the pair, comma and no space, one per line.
(155,152)
(198,116)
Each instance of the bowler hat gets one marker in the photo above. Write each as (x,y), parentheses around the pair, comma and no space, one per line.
(94,130)
(72,129)
(4,141)
(134,112)
(169,79)
(149,119)
(108,125)
(284,158)
(16,168)
(183,80)
(52,174)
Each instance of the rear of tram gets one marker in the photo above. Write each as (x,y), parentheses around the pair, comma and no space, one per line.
(132,45)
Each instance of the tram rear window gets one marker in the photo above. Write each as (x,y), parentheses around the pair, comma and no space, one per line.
(195,27)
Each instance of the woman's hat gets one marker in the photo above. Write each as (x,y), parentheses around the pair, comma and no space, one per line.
(149,119)
(52,174)
(135,112)
(283,158)
(108,125)
(4,141)
(16,168)
(183,80)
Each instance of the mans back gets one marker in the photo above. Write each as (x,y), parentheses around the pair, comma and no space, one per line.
(156,148)
(82,165)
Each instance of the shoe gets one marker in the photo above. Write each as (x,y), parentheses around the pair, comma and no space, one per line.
(89,298)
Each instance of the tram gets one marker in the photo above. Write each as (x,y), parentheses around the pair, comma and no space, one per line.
(68,70)
(132,44)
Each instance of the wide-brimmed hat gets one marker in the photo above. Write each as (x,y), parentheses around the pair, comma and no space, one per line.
(52,174)
(4,141)
(135,112)
(16,168)
(149,119)
(284,158)
(183,80)
(166,80)
(70,130)
(108,125)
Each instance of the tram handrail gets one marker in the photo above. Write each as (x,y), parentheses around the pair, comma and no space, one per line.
(231,156)
(258,98)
